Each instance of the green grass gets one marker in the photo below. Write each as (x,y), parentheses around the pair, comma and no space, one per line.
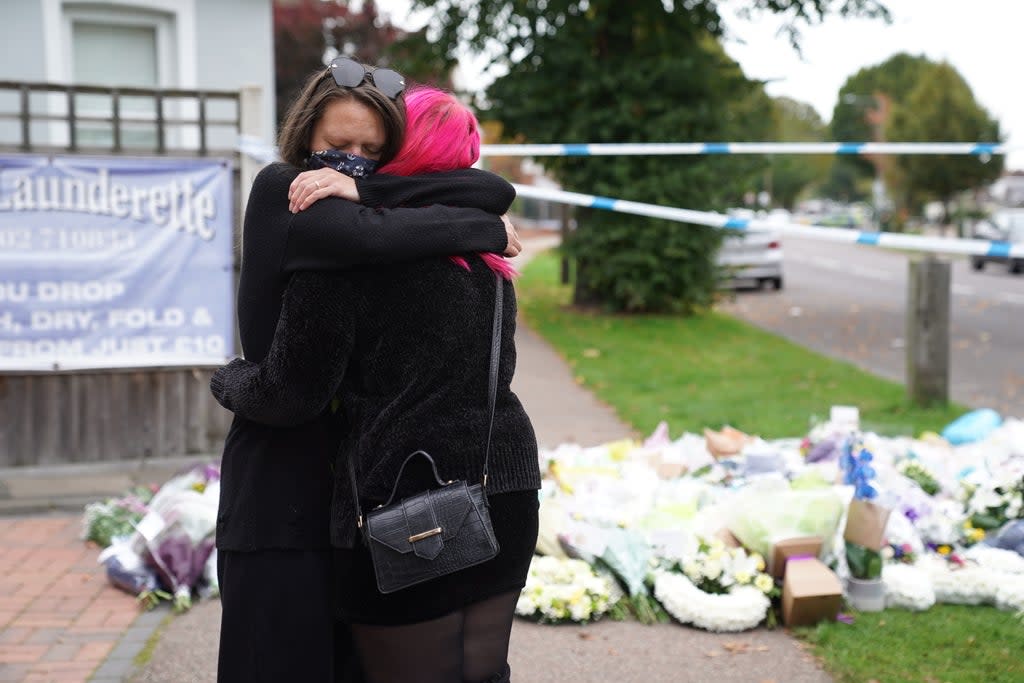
(711,370)
(947,644)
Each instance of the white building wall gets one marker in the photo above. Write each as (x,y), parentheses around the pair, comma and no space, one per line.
(201,44)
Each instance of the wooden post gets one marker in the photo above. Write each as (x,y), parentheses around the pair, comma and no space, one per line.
(928,316)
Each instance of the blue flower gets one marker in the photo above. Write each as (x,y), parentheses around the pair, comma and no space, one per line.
(858,472)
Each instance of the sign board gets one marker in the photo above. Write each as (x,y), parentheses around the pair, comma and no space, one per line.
(110,262)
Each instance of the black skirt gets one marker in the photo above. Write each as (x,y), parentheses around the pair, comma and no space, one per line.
(514,517)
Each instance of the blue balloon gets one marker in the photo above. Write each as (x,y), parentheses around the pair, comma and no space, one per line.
(972,426)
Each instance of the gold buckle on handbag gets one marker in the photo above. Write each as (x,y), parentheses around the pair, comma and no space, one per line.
(425,534)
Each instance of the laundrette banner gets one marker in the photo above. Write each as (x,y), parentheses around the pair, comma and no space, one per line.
(114,262)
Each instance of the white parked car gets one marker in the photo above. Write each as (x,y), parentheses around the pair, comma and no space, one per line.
(1005,225)
(752,256)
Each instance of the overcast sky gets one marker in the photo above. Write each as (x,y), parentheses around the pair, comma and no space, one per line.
(983,39)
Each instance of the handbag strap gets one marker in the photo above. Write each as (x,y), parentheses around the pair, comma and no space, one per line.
(492,393)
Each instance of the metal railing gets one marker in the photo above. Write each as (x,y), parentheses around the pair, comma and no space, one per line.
(169,111)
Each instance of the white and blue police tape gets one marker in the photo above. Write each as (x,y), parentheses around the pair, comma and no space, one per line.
(695,148)
(891,240)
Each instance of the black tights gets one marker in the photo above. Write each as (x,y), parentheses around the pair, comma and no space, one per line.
(468,646)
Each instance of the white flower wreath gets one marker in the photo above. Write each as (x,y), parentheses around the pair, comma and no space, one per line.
(908,587)
(743,608)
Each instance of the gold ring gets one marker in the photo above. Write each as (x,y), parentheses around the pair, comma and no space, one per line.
(317,184)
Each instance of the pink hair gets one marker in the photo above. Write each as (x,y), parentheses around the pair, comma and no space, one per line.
(441,134)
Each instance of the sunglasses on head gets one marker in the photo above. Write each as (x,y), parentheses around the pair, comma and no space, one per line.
(349,73)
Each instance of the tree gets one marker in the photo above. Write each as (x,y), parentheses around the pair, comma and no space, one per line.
(862,99)
(790,175)
(942,108)
(308,33)
(642,71)
(901,99)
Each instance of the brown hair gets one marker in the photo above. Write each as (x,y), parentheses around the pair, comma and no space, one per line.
(319,91)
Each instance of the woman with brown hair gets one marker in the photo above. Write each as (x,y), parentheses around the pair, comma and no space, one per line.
(272,530)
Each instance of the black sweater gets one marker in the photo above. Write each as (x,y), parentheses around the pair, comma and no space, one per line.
(276,482)
(406,350)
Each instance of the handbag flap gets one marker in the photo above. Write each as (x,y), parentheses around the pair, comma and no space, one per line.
(452,505)
(388,527)
(422,523)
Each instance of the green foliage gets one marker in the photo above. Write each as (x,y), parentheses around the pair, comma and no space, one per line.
(942,108)
(863,96)
(864,563)
(916,472)
(790,175)
(911,99)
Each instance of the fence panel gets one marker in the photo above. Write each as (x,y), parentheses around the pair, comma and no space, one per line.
(123,414)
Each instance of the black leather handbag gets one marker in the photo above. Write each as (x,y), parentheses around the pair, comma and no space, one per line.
(438,531)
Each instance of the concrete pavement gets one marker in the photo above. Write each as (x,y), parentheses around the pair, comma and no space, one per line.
(185,649)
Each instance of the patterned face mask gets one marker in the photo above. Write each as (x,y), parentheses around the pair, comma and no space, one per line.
(351,165)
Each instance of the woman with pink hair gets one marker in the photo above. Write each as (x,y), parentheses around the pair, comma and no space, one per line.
(403,352)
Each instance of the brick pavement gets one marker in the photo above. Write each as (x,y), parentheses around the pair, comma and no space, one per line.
(59,618)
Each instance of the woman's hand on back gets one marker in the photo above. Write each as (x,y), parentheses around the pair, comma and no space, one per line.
(312,186)
(514,246)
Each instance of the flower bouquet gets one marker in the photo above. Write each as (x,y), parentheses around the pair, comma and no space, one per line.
(991,506)
(561,591)
(176,538)
(105,521)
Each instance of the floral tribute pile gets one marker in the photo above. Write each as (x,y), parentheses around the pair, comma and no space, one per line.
(681,528)
(159,545)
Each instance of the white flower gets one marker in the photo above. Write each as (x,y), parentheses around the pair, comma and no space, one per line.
(692,569)
(907,587)
(764,583)
(966,586)
(1010,595)
(559,590)
(996,559)
(983,499)
(711,569)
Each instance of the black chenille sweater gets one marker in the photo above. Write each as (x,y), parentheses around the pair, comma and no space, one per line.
(276,482)
(406,349)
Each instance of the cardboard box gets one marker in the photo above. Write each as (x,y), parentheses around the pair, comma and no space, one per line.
(799,545)
(811,592)
(865,524)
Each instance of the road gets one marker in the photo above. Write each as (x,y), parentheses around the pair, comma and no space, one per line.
(848,301)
